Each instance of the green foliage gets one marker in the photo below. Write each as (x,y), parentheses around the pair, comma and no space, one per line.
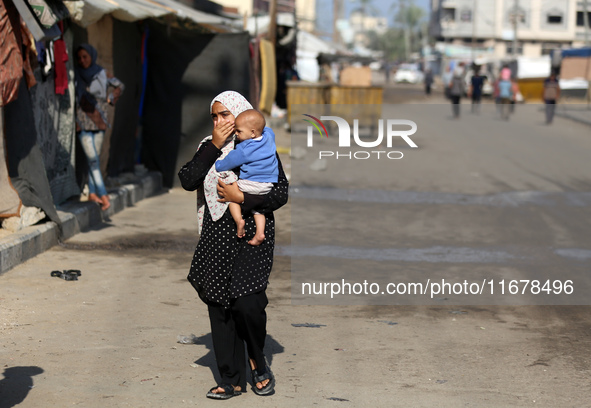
(407,17)
(391,43)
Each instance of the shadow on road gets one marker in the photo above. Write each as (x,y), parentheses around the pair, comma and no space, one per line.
(272,347)
(16,385)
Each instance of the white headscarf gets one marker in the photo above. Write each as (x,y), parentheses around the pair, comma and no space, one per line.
(236,104)
(232,100)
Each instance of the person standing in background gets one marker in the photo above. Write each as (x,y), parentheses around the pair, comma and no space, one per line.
(504,75)
(515,94)
(550,95)
(457,89)
(506,96)
(476,84)
(428,81)
(446,78)
(91,115)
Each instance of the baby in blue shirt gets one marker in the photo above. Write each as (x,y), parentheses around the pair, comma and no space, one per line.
(255,155)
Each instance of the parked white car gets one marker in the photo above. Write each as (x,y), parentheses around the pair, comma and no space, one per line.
(408,73)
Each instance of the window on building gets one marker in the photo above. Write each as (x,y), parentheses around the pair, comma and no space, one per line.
(448,14)
(548,48)
(581,20)
(516,13)
(510,48)
(554,18)
(466,15)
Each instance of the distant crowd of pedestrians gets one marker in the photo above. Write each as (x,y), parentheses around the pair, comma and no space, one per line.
(505,90)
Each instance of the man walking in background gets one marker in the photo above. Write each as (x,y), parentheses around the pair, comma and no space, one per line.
(550,96)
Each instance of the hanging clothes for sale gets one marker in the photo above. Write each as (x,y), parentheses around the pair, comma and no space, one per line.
(14,53)
(60,56)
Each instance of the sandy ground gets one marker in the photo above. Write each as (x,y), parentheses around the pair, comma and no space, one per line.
(110,339)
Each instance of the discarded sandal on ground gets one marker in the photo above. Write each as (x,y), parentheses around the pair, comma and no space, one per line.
(267,375)
(229,392)
(70,274)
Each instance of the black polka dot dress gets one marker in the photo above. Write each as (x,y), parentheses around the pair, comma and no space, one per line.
(224,266)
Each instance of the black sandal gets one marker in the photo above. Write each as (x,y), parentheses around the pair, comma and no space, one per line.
(69,275)
(229,392)
(267,375)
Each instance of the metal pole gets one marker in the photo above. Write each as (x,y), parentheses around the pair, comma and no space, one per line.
(474,32)
(586,22)
(273,22)
(515,21)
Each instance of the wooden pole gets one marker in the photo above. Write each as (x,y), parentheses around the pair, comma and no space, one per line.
(336,14)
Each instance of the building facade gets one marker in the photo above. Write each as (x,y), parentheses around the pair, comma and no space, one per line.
(305,10)
(534,27)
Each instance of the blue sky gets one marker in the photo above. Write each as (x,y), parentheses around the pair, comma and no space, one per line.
(383,7)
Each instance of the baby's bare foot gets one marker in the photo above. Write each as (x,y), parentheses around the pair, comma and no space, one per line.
(240,224)
(257,240)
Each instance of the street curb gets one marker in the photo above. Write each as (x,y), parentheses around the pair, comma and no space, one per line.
(76,217)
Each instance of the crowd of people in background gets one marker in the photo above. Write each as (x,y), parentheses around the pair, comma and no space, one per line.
(459,82)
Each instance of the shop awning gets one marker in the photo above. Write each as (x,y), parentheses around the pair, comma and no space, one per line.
(87,12)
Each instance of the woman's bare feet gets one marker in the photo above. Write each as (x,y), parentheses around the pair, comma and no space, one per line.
(94,198)
(262,384)
(240,228)
(224,391)
(220,390)
(257,240)
(106,202)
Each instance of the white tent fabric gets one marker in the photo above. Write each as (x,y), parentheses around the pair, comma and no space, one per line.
(533,67)
(257,25)
(88,12)
(309,46)
(308,42)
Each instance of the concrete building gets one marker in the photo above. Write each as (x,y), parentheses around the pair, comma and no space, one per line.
(354,31)
(362,22)
(542,25)
(306,15)
(305,9)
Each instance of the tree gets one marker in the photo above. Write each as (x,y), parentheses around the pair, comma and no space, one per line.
(391,43)
(408,17)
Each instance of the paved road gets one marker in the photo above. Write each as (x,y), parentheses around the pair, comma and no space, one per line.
(481,199)
(475,190)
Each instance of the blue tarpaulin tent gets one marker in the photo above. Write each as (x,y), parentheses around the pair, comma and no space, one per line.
(577,52)
(575,70)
